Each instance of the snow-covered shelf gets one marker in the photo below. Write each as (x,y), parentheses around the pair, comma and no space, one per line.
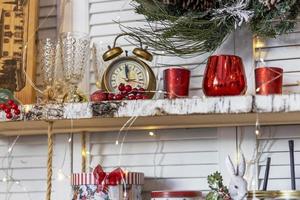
(155,114)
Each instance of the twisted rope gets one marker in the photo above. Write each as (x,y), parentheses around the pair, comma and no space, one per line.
(49,161)
(83,149)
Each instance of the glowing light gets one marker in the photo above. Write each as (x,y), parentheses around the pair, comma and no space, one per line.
(117,142)
(4,179)
(70,140)
(151,133)
(257,132)
(257,89)
(60,175)
(17,182)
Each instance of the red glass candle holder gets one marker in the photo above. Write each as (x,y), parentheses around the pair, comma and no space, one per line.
(176,82)
(268,80)
(224,76)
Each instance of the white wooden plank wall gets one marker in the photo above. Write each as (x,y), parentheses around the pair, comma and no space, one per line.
(172,159)
(275,142)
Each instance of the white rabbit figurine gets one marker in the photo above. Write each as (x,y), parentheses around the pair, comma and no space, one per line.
(238,185)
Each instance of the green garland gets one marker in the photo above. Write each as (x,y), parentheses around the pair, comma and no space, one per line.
(183,32)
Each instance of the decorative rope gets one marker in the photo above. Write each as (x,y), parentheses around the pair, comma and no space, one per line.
(49,161)
(84,153)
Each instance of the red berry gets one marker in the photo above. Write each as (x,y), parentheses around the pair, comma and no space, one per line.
(141,90)
(139,96)
(10,102)
(14,106)
(121,87)
(134,90)
(128,88)
(145,97)
(119,97)
(7,110)
(111,96)
(9,115)
(2,106)
(17,112)
(132,97)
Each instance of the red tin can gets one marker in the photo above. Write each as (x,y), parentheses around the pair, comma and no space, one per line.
(177,82)
(268,80)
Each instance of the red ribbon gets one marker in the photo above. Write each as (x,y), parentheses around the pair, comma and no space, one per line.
(103,179)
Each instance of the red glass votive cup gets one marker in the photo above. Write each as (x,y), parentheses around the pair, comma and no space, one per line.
(176,82)
(268,80)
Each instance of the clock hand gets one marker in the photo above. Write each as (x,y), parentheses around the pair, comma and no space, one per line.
(126,71)
(132,80)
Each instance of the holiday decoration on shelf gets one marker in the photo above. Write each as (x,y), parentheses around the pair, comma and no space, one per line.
(130,71)
(268,80)
(9,105)
(218,190)
(224,76)
(195,27)
(238,185)
(100,185)
(126,92)
(177,82)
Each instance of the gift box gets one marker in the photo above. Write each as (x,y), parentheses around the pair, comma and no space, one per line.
(99,185)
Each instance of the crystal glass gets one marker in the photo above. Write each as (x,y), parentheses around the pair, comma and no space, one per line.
(46,57)
(75,50)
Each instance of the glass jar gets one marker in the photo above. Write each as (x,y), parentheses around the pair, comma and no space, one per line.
(274,195)
(176,195)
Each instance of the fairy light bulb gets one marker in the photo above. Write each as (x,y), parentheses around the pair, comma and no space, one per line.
(70,140)
(60,175)
(4,179)
(151,133)
(18,182)
(117,142)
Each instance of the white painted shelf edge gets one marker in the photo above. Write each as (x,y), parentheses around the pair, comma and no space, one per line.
(155,114)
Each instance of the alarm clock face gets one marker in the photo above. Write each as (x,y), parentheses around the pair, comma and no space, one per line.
(127,70)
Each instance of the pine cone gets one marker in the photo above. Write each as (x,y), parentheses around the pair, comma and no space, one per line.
(270,3)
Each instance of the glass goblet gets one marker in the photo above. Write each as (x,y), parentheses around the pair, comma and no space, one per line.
(75,49)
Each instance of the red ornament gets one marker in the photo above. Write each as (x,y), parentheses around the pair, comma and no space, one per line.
(132,97)
(176,82)
(10,102)
(2,106)
(224,76)
(111,96)
(128,88)
(139,96)
(14,106)
(141,90)
(268,80)
(121,87)
(99,96)
(9,116)
(7,110)
(17,112)
(118,97)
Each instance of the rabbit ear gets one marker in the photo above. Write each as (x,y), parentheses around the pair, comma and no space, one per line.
(230,166)
(242,166)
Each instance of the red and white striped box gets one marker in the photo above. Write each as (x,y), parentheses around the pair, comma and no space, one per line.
(85,187)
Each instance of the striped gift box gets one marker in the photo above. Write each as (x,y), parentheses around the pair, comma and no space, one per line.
(131,178)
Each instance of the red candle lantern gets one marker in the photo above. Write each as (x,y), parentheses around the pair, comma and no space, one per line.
(224,76)
(177,82)
(268,80)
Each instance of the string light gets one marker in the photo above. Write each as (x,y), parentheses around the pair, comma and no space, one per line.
(4,180)
(70,140)
(151,133)
(117,142)
(60,175)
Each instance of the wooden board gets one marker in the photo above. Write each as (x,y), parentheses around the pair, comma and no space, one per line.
(18,30)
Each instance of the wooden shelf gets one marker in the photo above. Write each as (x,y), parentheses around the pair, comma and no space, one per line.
(156,114)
